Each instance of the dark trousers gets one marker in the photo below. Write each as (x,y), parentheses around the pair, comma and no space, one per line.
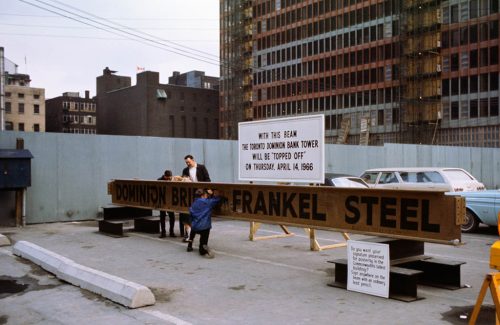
(204,234)
(171,222)
(184,218)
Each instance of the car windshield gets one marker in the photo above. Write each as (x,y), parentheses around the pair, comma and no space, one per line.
(370,177)
(421,177)
(348,182)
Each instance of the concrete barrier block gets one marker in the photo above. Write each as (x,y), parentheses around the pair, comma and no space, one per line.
(48,260)
(4,241)
(114,288)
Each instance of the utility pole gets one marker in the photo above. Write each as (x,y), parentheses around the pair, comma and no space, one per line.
(2,90)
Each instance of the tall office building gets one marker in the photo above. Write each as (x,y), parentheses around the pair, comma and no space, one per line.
(413,71)
(237,66)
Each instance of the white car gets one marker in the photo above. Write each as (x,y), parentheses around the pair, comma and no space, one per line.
(422,178)
(343,180)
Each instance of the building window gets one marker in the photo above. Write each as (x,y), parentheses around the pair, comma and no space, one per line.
(473,108)
(161,94)
(8,107)
(8,94)
(454,62)
(494,81)
(483,57)
(494,55)
(473,58)
(464,85)
(473,8)
(473,34)
(21,127)
(9,126)
(380,117)
(454,13)
(473,84)
(454,110)
(36,109)
(21,108)
(36,127)
(454,86)
(36,96)
(494,106)
(483,82)
(483,107)
(20,95)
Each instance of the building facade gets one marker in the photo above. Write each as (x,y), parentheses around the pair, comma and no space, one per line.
(24,105)
(153,109)
(71,113)
(470,40)
(194,79)
(236,50)
(416,71)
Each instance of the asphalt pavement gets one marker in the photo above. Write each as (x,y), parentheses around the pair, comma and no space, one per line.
(275,281)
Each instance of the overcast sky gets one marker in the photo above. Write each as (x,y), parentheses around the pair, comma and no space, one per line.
(62,55)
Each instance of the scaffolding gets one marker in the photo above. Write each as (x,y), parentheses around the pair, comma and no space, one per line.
(420,41)
(236,66)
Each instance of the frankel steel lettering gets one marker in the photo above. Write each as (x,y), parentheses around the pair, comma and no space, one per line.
(142,194)
(412,212)
(281,204)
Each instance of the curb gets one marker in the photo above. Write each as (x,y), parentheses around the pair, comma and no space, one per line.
(119,290)
(4,241)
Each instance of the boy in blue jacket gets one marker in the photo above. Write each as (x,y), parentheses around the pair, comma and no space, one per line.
(201,220)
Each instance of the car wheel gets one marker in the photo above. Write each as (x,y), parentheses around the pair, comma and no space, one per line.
(471,222)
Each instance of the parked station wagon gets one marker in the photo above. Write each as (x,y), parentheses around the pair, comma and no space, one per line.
(422,178)
(482,207)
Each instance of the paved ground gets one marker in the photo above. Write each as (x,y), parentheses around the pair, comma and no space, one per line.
(278,281)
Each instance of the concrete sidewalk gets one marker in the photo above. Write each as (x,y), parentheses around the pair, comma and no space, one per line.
(277,281)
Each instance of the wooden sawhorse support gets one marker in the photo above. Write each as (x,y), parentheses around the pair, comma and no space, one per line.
(492,281)
(315,246)
(254,226)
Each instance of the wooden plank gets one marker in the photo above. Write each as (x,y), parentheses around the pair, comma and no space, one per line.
(419,215)
(19,207)
(254,227)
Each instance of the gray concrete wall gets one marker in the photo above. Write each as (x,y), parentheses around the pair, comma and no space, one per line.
(70,171)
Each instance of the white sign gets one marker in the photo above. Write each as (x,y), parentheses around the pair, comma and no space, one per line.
(368,267)
(283,150)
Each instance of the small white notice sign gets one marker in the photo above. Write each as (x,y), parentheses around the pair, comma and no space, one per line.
(368,267)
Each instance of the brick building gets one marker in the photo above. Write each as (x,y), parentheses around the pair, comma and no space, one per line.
(153,109)
(416,71)
(71,113)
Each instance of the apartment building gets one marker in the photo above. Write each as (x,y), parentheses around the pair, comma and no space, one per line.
(71,113)
(24,105)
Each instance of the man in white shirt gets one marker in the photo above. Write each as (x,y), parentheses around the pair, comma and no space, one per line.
(197,173)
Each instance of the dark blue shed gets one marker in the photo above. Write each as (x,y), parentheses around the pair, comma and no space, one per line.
(15,168)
